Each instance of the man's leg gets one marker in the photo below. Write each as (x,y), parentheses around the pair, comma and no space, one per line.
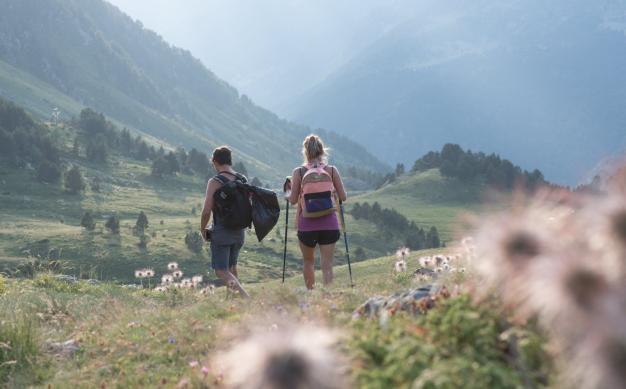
(231,281)
(220,256)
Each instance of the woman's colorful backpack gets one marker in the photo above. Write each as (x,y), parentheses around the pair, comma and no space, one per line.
(317,194)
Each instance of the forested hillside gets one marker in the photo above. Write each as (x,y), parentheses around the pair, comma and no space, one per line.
(76,53)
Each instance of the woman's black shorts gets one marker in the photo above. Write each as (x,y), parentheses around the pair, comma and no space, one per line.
(313,238)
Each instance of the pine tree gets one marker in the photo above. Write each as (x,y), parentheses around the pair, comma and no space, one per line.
(142,223)
(74,182)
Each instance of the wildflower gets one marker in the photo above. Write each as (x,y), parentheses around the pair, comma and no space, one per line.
(149,273)
(160,289)
(439,270)
(186,283)
(208,290)
(522,245)
(400,266)
(172,266)
(584,286)
(193,364)
(402,253)
(177,274)
(140,274)
(295,357)
(205,371)
(167,279)
(197,280)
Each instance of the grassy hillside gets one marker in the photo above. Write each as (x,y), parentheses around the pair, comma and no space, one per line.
(41,218)
(70,53)
(139,338)
(38,218)
(428,199)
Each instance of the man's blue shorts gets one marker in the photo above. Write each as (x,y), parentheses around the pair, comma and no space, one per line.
(224,256)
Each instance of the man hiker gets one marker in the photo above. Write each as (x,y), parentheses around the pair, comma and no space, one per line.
(226,239)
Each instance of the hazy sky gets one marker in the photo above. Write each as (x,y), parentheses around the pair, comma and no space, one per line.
(271,50)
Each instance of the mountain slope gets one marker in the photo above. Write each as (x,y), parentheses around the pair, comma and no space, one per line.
(94,55)
(539,82)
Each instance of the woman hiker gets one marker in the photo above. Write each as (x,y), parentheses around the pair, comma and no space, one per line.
(315,186)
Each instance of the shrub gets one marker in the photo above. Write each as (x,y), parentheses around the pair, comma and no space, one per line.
(456,344)
(194,242)
(87,221)
(113,224)
(143,241)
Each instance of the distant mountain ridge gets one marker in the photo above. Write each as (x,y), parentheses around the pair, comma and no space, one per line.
(75,53)
(540,82)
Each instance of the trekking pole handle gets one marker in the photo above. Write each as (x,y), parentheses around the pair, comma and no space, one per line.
(287,187)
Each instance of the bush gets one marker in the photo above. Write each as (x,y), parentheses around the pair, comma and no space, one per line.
(87,221)
(113,224)
(456,344)
(194,242)
(143,241)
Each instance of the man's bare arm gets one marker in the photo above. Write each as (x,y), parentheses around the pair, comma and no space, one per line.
(212,186)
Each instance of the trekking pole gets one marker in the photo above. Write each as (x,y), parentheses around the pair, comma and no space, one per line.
(345,239)
(285,189)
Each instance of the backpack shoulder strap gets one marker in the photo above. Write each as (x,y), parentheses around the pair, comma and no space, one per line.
(221,179)
(303,170)
(241,177)
(238,176)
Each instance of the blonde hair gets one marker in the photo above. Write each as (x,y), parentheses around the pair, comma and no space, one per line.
(313,149)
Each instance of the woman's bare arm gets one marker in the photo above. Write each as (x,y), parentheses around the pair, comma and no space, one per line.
(338,182)
(296,181)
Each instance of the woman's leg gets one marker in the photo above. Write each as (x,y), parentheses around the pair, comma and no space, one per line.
(327,252)
(308,255)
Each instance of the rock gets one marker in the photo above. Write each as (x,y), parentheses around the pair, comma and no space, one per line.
(65,278)
(414,301)
(65,349)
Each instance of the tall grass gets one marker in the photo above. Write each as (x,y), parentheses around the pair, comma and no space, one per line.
(18,346)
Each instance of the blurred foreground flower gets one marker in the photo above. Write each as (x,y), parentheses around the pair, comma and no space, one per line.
(562,259)
(301,356)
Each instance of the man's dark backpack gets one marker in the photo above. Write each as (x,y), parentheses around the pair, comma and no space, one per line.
(232,202)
